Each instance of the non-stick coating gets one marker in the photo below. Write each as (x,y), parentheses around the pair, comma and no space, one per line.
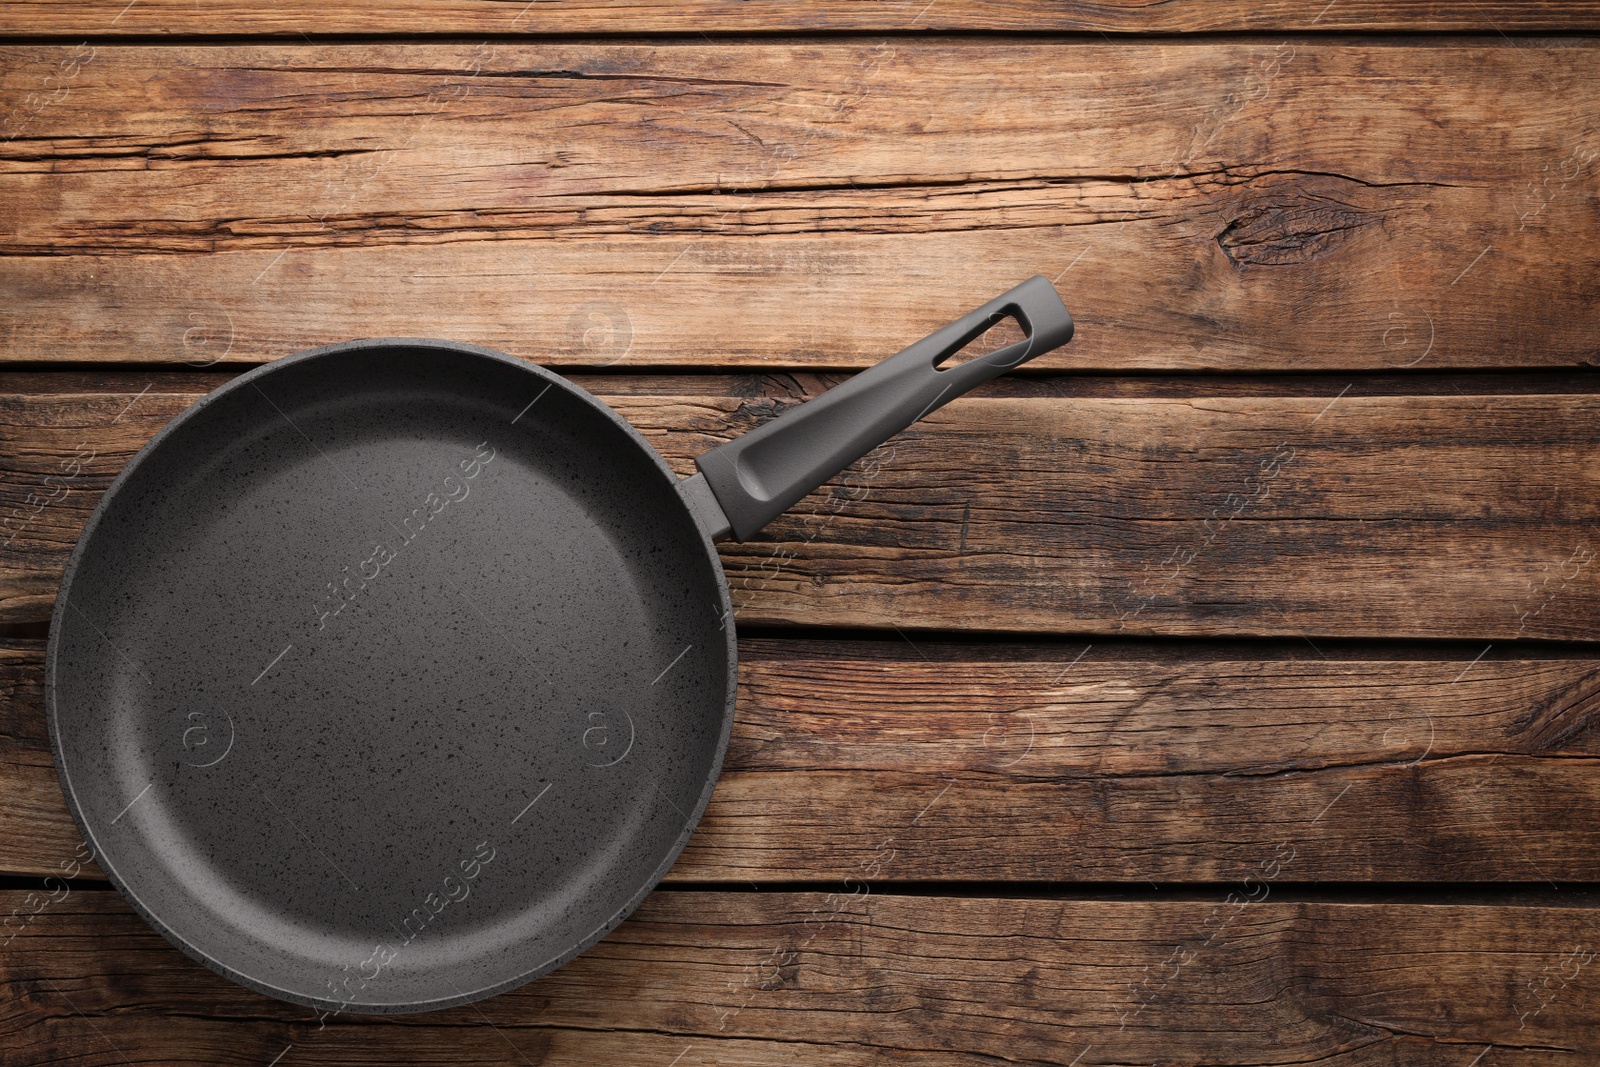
(377,689)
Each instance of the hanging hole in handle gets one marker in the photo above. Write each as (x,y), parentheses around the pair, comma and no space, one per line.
(1005,329)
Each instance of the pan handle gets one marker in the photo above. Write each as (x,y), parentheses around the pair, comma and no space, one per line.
(755,478)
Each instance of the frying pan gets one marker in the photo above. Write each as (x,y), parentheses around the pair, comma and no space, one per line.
(394,674)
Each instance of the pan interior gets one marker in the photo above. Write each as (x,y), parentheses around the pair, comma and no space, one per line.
(390,676)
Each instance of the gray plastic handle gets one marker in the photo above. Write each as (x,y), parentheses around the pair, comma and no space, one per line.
(757,477)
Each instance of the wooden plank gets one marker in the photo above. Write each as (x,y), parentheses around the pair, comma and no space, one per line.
(842,979)
(418,17)
(1244,204)
(46,379)
(1447,517)
(871,761)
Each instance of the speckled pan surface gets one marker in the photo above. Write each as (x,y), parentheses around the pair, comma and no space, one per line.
(390,676)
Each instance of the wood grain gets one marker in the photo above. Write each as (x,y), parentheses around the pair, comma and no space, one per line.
(1441,516)
(842,979)
(421,17)
(1207,204)
(875,763)
(1372,228)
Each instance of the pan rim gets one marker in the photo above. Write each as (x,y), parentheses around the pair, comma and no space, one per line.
(460,997)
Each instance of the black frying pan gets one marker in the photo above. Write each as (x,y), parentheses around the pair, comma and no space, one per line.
(392,675)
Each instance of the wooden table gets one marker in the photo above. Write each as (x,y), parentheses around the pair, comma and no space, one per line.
(1221,689)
